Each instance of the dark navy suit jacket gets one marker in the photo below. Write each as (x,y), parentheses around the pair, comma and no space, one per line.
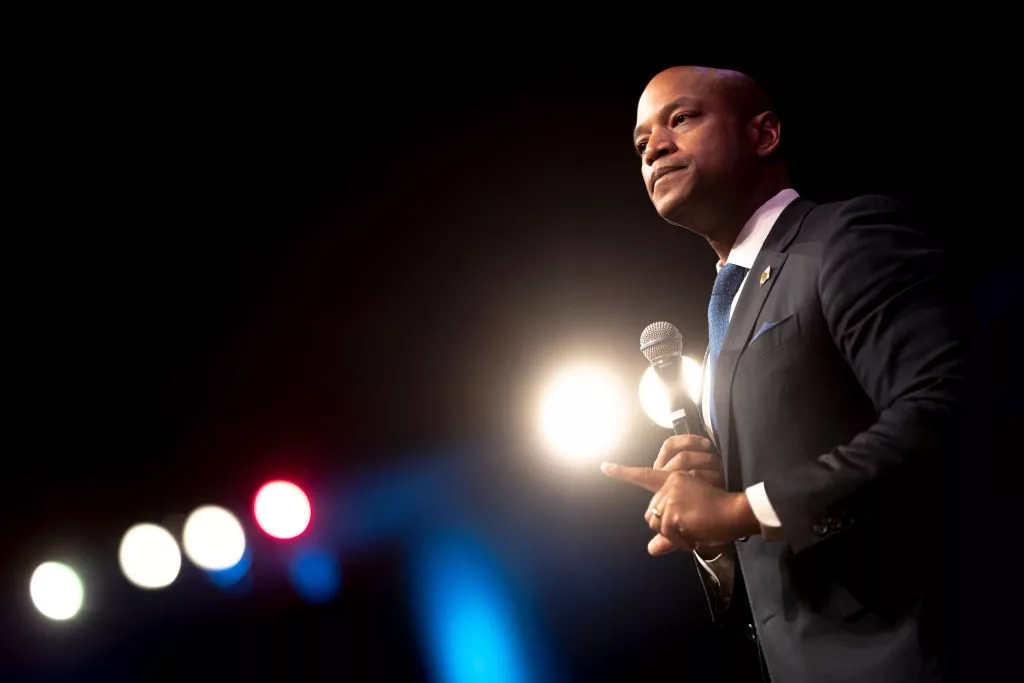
(841,385)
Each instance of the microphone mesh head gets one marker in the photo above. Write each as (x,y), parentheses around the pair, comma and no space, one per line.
(661,340)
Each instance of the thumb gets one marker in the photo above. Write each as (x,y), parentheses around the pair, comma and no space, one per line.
(659,545)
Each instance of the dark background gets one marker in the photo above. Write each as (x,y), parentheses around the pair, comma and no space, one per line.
(226,263)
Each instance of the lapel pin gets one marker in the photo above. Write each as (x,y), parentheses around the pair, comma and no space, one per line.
(765,274)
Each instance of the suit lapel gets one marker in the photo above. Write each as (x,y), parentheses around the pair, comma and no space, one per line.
(741,325)
(751,300)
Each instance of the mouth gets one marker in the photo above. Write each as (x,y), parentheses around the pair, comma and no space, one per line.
(662,172)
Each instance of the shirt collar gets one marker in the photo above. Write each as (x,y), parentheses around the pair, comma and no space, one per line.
(755,230)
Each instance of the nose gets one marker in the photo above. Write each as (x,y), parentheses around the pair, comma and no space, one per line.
(659,144)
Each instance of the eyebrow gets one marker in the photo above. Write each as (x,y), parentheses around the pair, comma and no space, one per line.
(678,102)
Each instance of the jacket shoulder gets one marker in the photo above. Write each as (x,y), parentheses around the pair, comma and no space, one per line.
(828,218)
(833,221)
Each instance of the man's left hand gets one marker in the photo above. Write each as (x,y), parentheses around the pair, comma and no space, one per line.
(691,512)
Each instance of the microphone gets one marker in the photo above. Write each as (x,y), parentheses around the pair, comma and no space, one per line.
(662,345)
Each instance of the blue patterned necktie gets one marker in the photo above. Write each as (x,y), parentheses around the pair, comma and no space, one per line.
(727,283)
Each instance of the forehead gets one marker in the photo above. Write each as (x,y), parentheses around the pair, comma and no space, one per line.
(688,87)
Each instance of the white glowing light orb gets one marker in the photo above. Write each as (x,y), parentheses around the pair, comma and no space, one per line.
(56,591)
(583,413)
(213,538)
(654,398)
(282,509)
(149,556)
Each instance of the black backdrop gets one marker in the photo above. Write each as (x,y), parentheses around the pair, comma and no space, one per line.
(232,261)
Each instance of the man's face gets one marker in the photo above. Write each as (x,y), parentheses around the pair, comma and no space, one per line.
(692,145)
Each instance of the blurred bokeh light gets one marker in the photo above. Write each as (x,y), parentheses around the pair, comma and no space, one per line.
(149,556)
(56,590)
(236,578)
(282,509)
(583,413)
(315,574)
(472,632)
(213,538)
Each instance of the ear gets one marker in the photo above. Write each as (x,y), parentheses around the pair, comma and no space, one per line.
(766,133)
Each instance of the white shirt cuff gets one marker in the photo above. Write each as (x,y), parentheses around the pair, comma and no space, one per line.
(761,506)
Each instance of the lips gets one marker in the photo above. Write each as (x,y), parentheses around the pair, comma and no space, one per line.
(664,171)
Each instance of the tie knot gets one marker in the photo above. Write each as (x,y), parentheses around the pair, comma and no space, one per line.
(728,281)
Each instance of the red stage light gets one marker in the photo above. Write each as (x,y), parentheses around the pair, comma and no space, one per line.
(282,509)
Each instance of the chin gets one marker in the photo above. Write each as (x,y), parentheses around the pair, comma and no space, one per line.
(681,213)
(673,208)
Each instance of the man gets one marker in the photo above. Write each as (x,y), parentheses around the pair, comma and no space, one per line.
(834,386)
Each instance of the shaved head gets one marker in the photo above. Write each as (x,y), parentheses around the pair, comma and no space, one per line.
(742,93)
(709,141)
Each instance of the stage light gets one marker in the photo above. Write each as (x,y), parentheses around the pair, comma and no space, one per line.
(282,509)
(236,578)
(654,399)
(56,591)
(213,538)
(469,624)
(315,574)
(583,413)
(149,556)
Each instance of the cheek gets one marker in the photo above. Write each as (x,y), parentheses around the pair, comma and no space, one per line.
(719,160)
(700,152)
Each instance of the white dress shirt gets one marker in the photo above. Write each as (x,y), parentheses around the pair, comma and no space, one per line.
(743,253)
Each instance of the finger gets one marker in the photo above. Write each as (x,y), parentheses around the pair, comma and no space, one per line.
(659,545)
(656,501)
(680,442)
(654,505)
(676,483)
(654,522)
(672,530)
(647,477)
(713,477)
(692,460)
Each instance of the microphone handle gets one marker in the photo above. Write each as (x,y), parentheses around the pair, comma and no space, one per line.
(685,418)
(680,424)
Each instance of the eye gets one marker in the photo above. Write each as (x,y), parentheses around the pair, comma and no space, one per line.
(641,146)
(679,118)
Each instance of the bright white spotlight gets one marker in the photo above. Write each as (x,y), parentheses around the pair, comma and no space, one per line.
(149,556)
(282,509)
(654,398)
(583,413)
(213,538)
(56,590)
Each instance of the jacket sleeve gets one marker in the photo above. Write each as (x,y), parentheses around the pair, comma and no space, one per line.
(884,296)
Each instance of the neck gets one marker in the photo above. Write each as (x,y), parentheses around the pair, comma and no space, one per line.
(722,235)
